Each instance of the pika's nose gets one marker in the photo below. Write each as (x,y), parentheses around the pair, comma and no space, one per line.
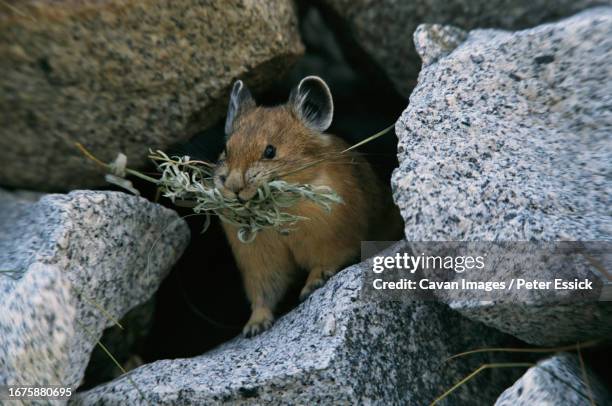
(234,182)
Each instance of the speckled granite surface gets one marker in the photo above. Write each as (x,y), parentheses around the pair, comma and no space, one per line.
(126,76)
(508,138)
(557,380)
(334,348)
(384,28)
(72,253)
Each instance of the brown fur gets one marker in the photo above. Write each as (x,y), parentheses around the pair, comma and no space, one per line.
(320,245)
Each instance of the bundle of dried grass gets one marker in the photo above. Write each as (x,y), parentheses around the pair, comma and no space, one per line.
(187,181)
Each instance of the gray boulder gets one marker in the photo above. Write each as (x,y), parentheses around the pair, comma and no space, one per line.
(125,77)
(558,380)
(71,264)
(507,137)
(384,28)
(338,347)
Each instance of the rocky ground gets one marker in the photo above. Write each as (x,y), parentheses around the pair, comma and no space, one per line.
(505,137)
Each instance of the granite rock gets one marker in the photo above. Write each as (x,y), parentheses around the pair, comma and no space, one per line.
(384,29)
(433,41)
(125,76)
(544,324)
(507,138)
(337,347)
(77,262)
(558,380)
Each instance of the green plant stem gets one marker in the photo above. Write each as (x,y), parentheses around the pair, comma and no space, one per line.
(476,372)
(586,344)
(141,176)
(370,138)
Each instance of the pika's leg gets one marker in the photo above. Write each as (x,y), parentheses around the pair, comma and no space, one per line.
(264,288)
(316,278)
(267,269)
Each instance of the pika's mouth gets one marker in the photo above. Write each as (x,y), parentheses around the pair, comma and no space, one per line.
(243,195)
(246,194)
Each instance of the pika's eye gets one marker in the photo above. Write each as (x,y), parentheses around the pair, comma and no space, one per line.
(269,152)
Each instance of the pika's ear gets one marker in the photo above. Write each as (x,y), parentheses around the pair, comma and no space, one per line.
(312,101)
(240,101)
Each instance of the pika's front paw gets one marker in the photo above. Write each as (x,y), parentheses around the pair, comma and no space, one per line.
(311,287)
(260,321)
(315,280)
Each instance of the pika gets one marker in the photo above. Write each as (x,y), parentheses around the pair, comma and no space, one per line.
(283,142)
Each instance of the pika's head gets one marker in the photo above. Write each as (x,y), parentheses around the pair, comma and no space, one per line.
(266,143)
